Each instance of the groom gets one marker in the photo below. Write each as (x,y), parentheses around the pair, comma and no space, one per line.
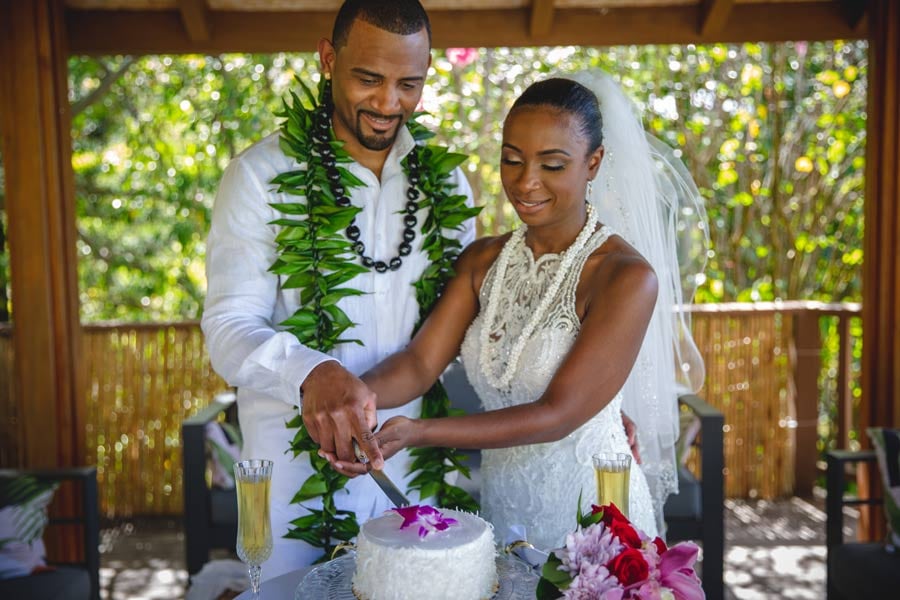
(376,61)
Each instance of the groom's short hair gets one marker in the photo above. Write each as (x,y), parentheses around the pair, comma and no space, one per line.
(403,17)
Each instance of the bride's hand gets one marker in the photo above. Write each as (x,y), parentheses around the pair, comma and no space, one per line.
(395,435)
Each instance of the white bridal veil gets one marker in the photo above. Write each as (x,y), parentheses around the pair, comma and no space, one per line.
(645,193)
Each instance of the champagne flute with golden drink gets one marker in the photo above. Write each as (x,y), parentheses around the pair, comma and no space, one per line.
(613,471)
(253,479)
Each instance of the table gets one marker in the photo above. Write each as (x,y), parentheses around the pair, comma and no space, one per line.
(278,588)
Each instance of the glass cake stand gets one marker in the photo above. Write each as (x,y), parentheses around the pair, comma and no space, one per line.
(333,580)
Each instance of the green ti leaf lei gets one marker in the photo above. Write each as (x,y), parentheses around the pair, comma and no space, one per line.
(315,257)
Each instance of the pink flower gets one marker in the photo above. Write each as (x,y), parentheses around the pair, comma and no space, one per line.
(652,590)
(607,558)
(461,57)
(595,545)
(594,583)
(428,518)
(676,572)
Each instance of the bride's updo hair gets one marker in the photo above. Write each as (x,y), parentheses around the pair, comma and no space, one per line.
(570,97)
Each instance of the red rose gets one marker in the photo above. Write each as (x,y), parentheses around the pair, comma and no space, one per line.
(625,532)
(618,524)
(660,545)
(612,513)
(629,567)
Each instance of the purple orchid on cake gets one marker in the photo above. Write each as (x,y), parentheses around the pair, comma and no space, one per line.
(428,519)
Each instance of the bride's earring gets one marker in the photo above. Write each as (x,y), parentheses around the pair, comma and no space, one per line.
(587,191)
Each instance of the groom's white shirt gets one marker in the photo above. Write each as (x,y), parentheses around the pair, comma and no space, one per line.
(245,303)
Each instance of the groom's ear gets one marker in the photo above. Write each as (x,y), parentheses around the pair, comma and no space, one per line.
(327,53)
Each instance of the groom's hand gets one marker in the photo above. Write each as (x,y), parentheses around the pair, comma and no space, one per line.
(338,408)
(395,435)
(631,432)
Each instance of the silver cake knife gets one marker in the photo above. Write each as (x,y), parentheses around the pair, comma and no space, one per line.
(384,482)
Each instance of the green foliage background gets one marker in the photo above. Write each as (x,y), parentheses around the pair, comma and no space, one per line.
(774,134)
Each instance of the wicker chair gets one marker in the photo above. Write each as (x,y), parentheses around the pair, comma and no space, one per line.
(210,514)
(854,569)
(697,512)
(69,580)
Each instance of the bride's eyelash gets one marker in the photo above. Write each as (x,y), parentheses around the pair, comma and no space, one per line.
(513,162)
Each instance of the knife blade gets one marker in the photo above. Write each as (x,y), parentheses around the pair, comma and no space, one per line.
(384,482)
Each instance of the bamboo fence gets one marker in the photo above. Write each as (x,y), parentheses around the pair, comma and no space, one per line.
(747,378)
(144,380)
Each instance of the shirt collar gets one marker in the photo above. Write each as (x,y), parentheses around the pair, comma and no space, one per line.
(404,143)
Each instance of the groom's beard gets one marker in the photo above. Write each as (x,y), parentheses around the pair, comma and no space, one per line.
(376,140)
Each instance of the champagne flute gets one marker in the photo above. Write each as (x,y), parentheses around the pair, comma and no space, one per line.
(613,471)
(253,479)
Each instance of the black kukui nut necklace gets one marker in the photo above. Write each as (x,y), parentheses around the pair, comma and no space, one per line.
(322,137)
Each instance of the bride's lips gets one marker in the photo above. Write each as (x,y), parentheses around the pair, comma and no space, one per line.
(528,207)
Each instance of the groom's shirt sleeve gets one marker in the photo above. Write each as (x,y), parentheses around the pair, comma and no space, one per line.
(245,346)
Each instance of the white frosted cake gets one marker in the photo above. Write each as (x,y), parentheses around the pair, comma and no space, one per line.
(420,553)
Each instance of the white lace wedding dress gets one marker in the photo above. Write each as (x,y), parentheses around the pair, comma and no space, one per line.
(537,486)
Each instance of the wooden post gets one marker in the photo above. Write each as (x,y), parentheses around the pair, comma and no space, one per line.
(34,109)
(807,362)
(881,272)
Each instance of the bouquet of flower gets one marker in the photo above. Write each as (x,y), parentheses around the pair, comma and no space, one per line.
(608,558)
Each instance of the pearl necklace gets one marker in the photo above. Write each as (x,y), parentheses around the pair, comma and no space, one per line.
(490,313)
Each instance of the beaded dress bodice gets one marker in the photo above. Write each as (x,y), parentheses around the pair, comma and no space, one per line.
(537,486)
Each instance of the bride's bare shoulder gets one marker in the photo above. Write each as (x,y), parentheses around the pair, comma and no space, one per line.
(617,266)
(481,254)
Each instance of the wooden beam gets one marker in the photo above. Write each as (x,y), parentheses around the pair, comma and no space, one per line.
(153,32)
(881,245)
(880,405)
(713,15)
(541,17)
(195,18)
(40,200)
(853,11)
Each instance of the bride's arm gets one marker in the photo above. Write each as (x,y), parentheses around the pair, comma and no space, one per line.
(411,372)
(617,312)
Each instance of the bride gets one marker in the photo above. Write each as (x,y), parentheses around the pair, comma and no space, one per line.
(551,319)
